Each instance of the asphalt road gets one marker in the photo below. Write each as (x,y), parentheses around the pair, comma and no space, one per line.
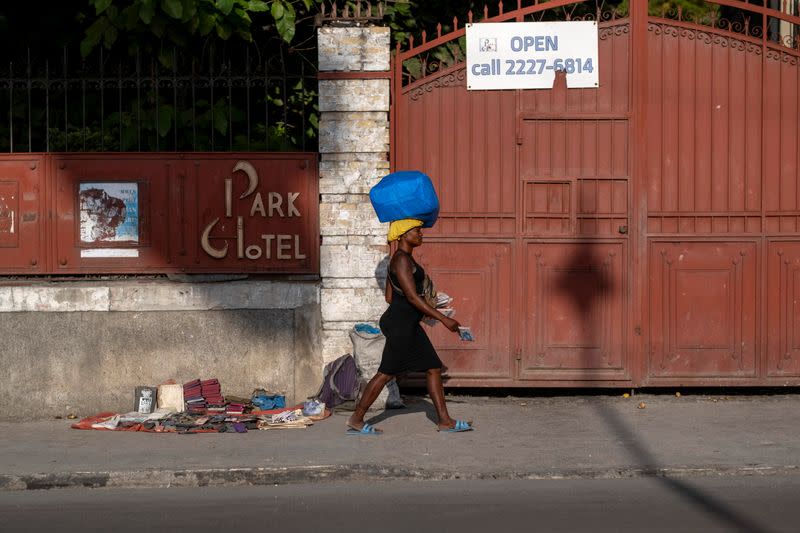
(709,504)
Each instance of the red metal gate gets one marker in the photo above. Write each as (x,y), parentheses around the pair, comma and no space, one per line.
(643,233)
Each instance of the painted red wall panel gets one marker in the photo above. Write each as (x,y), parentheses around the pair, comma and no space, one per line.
(151,213)
(783,309)
(478,277)
(23,214)
(703,309)
(574,311)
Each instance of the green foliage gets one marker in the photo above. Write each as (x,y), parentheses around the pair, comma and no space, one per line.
(400,19)
(690,9)
(147,127)
(156,28)
(441,57)
(147,25)
(410,17)
(285,17)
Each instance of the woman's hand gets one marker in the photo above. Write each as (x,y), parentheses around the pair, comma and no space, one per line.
(451,324)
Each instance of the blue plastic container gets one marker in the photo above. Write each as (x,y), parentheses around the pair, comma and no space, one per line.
(405,194)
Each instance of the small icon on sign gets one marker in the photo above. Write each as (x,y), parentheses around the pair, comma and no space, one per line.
(489,45)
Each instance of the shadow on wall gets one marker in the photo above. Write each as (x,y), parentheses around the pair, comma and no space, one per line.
(381,271)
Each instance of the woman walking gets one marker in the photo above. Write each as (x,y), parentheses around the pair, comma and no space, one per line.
(408,348)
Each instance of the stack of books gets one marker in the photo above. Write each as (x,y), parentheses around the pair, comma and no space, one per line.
(205,398)
(196,407)
(212,392)
(192,390)
(215,409)
(234,408)
(193,396)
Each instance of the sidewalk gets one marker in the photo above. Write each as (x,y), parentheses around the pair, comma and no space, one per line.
(578,436)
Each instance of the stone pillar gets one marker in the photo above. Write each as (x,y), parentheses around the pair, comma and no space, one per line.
(354,151)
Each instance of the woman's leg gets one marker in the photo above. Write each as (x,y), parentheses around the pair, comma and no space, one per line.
(371,392)
(433,379)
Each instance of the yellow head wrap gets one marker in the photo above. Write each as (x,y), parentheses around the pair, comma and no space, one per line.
(400,227)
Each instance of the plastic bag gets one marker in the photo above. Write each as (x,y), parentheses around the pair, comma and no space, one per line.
(368,343)
(266,400)
(405,194)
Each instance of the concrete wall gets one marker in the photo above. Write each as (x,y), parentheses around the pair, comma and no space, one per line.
(354,152)
(82,347)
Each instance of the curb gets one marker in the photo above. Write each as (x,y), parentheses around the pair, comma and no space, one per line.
(340,473)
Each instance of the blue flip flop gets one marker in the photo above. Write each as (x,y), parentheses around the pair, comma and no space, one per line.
(459,427)
(368,429)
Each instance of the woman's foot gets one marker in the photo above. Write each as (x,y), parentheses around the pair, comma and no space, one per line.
(358,425)
(454,426)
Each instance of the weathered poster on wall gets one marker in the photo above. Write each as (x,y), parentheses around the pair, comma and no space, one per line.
(109,212)
(527,55)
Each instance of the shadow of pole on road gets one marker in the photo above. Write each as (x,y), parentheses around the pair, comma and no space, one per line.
(586,297)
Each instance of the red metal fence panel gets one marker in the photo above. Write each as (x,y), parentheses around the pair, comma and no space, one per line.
(574,294)
(23,213)
(478,276)
(151,213)
(703,309)
(783,309)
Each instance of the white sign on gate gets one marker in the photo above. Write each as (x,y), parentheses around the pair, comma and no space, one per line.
(526,55)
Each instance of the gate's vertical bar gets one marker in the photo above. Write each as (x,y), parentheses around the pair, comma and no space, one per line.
(29,86)
(229,80)
(119,89)
(102,105)
(174,99)
(247,92)
(138,102)
(211,86)
(518,266)
(303,115)
(266,103)
(83,104)
(66,103)
(47,103)
(638,207)
(11,107)
(284,98)
(194,101)
(155,81)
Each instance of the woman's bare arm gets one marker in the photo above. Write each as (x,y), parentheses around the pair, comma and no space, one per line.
(405,278)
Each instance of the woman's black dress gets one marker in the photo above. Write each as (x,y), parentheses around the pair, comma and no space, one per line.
(408,348)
